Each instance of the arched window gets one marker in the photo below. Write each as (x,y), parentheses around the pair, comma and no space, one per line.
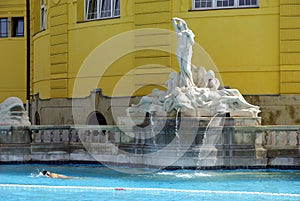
(96,118)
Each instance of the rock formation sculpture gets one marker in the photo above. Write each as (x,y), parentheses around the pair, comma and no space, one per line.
(193,91)
(12,113)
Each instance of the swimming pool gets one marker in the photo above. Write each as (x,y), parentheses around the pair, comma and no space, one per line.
(95,182)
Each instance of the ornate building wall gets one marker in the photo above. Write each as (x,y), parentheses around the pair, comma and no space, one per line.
(254,49)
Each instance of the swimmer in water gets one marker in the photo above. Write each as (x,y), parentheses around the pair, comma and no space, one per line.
(54,175)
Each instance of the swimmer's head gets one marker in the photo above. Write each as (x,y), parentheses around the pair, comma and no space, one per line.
(45,172)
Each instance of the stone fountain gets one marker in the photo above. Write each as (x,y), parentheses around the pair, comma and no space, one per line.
(193,103)
(194,92)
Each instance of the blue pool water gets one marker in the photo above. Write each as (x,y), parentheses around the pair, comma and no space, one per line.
(94,182)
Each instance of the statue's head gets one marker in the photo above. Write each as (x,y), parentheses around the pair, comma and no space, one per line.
(181,24)
(213,84)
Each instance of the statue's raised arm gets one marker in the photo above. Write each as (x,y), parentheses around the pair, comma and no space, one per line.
(175,21)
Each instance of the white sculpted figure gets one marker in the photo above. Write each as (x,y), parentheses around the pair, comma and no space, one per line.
(179,100)
(12,112)
(184,51)
(156,98)
(172,83)
(199,76)
(153,102)
(194,91)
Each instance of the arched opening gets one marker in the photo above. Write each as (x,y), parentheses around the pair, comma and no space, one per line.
(96,118)
(37,119)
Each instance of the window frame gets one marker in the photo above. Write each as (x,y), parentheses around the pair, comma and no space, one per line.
(6,34)
(215,7)
(14,27)
(99,11)
(42,15)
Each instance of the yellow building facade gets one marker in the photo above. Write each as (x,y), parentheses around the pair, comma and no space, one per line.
(127,47)
(12,49)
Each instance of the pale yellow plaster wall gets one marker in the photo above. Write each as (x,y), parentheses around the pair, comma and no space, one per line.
(13,68)
(12,54)
(41,65)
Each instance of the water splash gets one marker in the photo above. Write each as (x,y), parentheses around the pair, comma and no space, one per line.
(177,123)
(36,173)
(211,128)
(211,137)
(184,175)
(178,140)
(153,134)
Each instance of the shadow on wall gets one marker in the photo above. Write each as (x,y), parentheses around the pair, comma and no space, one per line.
(96,118)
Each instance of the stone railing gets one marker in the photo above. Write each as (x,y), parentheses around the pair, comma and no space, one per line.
(282,136)
(265,145)
(271,136)
(53,134)
(84,134)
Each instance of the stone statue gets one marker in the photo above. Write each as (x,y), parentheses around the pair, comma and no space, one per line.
(194,92)
(152,103)
(184,51)
(12,113)
(179,100)
(172,83)
(198,76)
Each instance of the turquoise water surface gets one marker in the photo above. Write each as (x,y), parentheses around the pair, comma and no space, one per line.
(95,182)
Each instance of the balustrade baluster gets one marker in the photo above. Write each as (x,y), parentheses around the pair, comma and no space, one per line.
(298,137)
(92,138)
(82,135)
(267,137)
(70,135)
(111,137)
(60,135)
(99,133)
(106,137)
(85,135)
(276,138)
(76,136)
(42,136)
(117,135)
(33,136)
(288,137)
(51,135)
(89,136)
